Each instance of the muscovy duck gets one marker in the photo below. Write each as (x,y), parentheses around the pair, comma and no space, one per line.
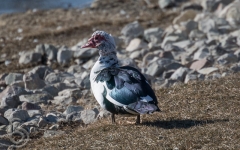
(120,90)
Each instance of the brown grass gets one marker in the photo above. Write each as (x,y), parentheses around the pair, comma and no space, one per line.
(199,115)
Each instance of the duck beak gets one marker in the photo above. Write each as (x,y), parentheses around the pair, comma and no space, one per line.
(89,44)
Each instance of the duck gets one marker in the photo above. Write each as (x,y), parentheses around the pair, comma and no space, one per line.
(121,90)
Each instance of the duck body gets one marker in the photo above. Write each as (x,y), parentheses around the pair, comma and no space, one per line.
(120,90)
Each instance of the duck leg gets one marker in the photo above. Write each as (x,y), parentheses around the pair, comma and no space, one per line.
(138,119)
(113,118)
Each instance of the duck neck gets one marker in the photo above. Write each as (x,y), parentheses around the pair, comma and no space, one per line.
(108,59)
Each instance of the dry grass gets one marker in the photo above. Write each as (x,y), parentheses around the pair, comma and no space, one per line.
(199,115)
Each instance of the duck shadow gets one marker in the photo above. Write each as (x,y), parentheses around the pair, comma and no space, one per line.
(182,124)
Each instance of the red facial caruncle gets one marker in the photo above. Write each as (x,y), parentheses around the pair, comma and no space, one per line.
(94,41)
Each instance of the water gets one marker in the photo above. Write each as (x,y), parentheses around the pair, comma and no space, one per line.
(13,6)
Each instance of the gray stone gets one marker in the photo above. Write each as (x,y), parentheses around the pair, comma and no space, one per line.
(89,64)
(166,54)
(58,77)
(201,53)
(42,122)
(64,56)
(74,116)
(132,30)
(63,86)
(136,55)
(213,76)
(155,69)
(182,44)
(197,35)
(190,77)
(185,16)
(70,109)
(190,5)
(83,83)
(167,74)
(33,113)
(231,13)
(14,114)
(199,64)
(63,100)
(41,71)
(153,35)
(30,106)
(75,69)
(166,3)
(227,58)
(33,82)
(206,25)
(51,133)
(10,96)
(179,74)
(54,117)
(54,127)
(172,39)
(235,68)
(51,52)
(207,70)
(13,77)
(50,89)
(30,57)
(128,62)
(136,44)
(38,98)
(85,53)
(167,83)
(88,116)
(3,121)
(76,93)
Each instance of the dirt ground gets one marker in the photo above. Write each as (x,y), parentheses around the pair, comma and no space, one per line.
(69,26)
(199,115)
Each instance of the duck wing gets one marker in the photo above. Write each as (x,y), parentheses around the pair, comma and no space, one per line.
(127,87)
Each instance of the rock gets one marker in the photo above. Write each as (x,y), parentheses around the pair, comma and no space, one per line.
(197,35)
(183,44)
(89,64)
(135,55)
(64,56)
(50,133)
(207,70)
(89,116)
(172,39)
(213,76)
(136,44)
(14,114)
(63,86)
(237,53)
(103,113)
(235,68)
(155,69)
(41,71)
(193,6)
(76,93)
(36,98)
(74,116)
(83,83)
(210,5)
(10,96)
(70,109)
(54,127)
(128,62)
(51,52)
(30,57)
(231,13)
(85,53)
(58,77)
(54,117)
(190,77)
(199,64)
(153,35)
(33,82)
(63,100)
(179,74)
(167,83)
(75,69)
(42,122)
(166,3)
(3,121)
(185,16)
(30,106)
(201,53)
(206,25)
(132,30)
(166,54)
(13,77)
(227,58)
(34,113)
(50,89)
(167,74)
